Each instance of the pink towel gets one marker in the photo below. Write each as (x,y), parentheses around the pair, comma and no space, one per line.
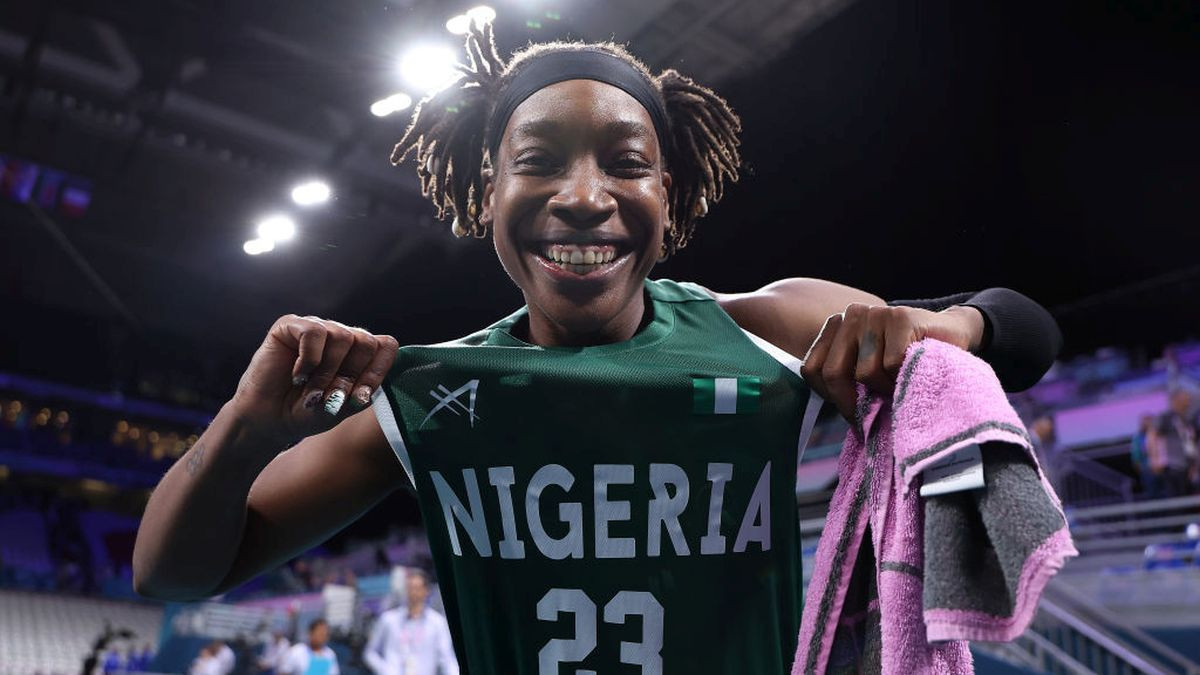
(935,571)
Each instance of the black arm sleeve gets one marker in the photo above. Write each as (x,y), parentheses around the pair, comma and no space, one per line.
(1020,338)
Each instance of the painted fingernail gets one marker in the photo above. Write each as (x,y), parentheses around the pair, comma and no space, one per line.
(363,395)
(333,404)
(299,380)
(312,398)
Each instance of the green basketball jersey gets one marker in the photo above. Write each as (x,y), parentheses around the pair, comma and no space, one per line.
(621,508)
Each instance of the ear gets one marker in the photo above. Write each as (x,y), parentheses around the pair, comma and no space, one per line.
(489,190)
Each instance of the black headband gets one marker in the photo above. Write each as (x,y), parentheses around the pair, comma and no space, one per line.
(559,66)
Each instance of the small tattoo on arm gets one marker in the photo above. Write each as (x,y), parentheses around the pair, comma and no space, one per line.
(867,350)
(195,459)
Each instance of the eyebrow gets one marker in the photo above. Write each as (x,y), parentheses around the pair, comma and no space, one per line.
(548,127)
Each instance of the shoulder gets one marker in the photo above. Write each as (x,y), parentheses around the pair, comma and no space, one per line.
(789,313)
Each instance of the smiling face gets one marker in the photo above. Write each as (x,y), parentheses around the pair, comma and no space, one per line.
(577,203)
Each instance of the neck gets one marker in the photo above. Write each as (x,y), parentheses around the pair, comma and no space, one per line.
(544,332)
(415,610)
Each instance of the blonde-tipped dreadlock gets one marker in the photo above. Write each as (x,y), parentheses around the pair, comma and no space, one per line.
(449,128)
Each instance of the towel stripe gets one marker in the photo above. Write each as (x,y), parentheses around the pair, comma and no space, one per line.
(901,567)
(904,379)
(961,436)
(839,561)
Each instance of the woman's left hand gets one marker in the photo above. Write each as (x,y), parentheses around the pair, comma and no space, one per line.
(867,344)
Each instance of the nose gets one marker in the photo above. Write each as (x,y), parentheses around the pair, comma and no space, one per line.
(583,199)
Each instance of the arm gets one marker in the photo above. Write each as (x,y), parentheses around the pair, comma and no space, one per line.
(1020,338)
(864,340)
(217,522)
(234,505)
(791,312)
(373,652)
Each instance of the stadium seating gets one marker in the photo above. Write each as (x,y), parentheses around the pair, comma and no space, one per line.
(52,634)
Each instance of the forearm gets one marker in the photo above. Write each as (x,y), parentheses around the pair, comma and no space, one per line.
(374,661)
(191,530)
(1020,338)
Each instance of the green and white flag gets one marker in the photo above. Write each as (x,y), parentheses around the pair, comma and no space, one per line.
(725,395)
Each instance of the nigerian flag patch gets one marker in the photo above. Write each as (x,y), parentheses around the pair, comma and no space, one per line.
(725,395)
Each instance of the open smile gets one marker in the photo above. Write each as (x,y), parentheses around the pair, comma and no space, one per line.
(580,261)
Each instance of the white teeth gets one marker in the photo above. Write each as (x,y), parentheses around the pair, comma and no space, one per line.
(578,260)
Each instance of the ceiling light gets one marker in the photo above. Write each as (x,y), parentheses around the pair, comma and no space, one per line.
(459,25)
(482,14)
(256,246)
(428,68)
(312,192)
(276,228)
(391,104)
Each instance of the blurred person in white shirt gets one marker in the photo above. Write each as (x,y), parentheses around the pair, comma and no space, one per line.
(206,662)
(274,649)
(313,657)
(412,639)
(225,657)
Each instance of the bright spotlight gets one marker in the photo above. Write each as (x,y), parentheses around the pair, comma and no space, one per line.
(256,246)
(459,25)
(391,104)
(428,68)
(312,192)
(481,15)
(276,228)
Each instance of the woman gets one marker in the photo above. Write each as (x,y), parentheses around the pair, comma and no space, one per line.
(682,406)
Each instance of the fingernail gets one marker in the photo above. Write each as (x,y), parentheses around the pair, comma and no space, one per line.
(363,395)
(333,404)
(312,398)
(299,380)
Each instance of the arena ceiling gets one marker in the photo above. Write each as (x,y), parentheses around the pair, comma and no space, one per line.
(193,119)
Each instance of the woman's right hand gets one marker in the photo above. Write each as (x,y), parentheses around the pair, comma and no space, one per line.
(309,374)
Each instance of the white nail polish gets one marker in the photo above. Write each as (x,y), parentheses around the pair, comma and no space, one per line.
(333,404)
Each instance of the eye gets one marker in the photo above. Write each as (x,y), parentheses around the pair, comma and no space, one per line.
(534,161)
(631,164)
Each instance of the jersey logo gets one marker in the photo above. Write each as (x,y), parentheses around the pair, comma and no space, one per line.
(448,400)
(725,395)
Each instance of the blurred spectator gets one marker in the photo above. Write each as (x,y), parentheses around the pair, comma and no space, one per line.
(274,649)
(1055,463)
(313,657)
(224,656)
(1172,446)
(139,662)
(412,639)
(1139,456)
(206,663)
(112,662)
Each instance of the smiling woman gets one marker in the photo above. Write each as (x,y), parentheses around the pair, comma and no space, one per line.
(681,406)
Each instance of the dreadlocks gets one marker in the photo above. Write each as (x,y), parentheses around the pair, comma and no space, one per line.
(448,129)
